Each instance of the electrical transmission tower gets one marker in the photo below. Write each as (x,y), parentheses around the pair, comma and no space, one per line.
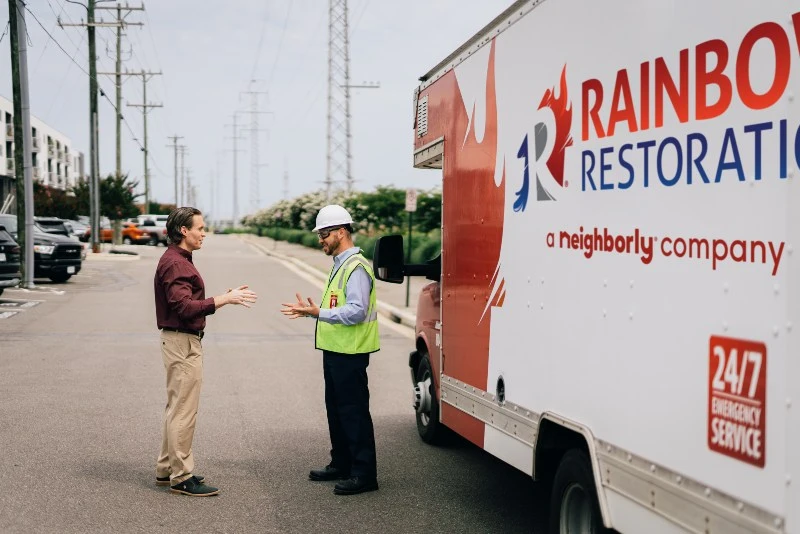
(236,137)
(339,168)
(255,164)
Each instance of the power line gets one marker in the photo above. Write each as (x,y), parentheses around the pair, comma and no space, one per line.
(148,24)
(260,43)
(280,45)
(102,92)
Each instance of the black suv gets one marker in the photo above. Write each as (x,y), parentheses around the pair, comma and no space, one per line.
(9,261)
(54,256)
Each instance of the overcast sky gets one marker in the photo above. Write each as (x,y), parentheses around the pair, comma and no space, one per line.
(209,52)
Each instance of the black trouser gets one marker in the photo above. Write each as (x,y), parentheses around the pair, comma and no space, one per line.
(349,422)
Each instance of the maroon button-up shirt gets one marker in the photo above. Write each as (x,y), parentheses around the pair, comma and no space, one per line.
(180,292)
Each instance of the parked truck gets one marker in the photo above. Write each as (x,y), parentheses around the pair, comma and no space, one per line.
(616,307)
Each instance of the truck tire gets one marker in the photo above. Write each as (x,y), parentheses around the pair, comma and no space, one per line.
(127,241)
(429,427)
(153,240)
(60,278)
(574,508)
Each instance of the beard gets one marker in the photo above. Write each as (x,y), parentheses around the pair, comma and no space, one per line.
(330,247)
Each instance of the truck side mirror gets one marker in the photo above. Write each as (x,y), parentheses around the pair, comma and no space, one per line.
(387,260)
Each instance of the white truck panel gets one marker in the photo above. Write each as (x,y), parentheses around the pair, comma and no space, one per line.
(617,345)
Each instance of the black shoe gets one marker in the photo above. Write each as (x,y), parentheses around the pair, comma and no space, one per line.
(328,473)
(164,481)
(193,488)
(354,485)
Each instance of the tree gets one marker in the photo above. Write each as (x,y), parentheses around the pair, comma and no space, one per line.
(429,211)
(52,202)
(117,197)
(82,198)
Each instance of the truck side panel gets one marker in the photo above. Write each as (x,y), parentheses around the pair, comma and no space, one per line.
(471,231)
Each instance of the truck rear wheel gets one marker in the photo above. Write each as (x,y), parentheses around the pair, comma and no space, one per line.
(574,508)
(427,404)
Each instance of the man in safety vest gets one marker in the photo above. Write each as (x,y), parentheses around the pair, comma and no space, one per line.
(347,332)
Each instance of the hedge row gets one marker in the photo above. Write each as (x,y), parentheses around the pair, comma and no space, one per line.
(423,247)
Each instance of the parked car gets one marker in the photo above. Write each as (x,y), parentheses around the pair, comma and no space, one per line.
(155,225)
(157,230)
(76,228)
(54,256)
(131,234)
(9,261)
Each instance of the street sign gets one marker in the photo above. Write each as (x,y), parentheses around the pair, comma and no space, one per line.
(411,200)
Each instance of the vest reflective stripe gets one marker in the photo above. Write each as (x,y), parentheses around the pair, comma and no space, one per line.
(348,339)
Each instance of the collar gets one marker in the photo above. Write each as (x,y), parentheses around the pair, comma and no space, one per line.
(185,253)
(338,260)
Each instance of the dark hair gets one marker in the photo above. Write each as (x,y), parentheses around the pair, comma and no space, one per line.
(178,218)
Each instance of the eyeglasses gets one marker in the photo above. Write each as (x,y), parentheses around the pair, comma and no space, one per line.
(323,234)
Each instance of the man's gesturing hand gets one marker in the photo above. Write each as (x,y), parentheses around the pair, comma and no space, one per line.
(241,296)
(293,310)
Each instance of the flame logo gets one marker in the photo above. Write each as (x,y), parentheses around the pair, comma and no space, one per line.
(562,111)
(561,108)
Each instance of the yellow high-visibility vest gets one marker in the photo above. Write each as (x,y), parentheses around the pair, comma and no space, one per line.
(348,339)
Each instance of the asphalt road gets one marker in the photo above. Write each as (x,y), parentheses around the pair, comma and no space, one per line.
(82,393)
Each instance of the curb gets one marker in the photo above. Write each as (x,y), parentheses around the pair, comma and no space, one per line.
(105,256)
(396,315)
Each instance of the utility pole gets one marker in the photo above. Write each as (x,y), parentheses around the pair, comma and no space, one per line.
(212,212)
(175,146)
(255,165)
(94,152)
(190,200)
(182,150)
(22,136)
(118,74)
(339,154)
(235,151)
(145,108)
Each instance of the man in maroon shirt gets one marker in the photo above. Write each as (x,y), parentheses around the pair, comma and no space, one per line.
(181,309)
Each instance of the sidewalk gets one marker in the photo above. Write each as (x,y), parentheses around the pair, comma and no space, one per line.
(391,297)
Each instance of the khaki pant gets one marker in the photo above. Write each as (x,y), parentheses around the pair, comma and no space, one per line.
(183,362)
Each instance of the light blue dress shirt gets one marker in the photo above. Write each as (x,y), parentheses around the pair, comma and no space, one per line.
(356,292)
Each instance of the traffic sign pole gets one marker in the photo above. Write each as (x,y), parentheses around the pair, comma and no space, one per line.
(411,207)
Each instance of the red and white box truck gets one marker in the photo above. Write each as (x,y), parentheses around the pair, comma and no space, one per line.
(616,307)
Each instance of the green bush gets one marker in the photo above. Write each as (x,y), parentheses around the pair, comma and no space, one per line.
(426,250)
(367,245)
(295,236)
(241,230)
(311,239)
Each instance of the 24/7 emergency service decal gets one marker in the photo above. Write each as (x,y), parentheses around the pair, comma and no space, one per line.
(737,403)
(706,119)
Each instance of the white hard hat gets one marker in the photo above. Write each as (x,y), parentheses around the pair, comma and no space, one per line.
(332,215)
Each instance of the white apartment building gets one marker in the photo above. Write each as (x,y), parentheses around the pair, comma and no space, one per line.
(55,161)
